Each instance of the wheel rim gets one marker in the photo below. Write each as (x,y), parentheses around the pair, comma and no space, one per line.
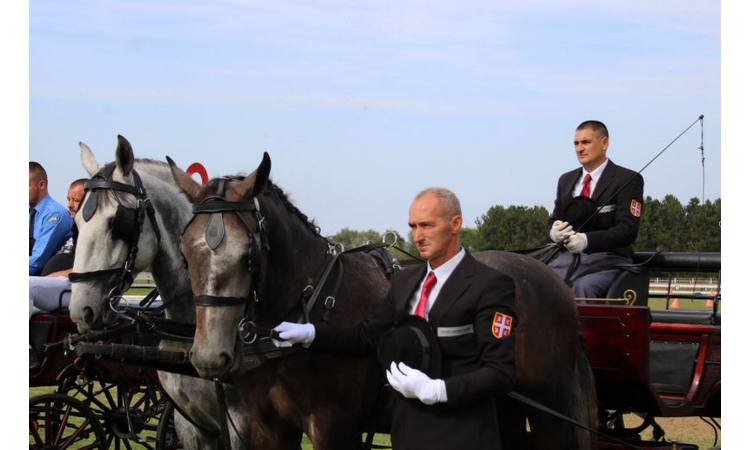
(59,422)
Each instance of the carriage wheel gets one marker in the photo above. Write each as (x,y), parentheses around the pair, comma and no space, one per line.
(130,414)
(166,435)
(57,422)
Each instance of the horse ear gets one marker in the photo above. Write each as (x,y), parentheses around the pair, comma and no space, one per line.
(184,181)
(124,156)
(88,160)
(256,181)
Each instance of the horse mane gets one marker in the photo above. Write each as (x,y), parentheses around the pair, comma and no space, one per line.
(282,196)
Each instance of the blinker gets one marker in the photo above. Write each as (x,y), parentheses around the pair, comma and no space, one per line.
(89,208)
(124,223)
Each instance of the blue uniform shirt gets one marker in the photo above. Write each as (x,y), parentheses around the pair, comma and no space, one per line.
(52,227)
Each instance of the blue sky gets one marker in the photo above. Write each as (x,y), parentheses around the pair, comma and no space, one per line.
(363,103)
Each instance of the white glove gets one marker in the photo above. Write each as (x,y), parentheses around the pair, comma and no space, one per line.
(412,383)
(295,333)
(577,243)
(560,230)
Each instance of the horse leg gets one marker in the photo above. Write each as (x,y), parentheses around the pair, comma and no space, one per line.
(192,438)
(333,430)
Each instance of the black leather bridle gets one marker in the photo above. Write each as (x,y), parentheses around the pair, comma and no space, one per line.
(216,206)
(126,226)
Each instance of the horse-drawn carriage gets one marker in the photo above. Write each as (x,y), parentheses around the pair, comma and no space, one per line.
(652,361)
(653,367)
(93,403)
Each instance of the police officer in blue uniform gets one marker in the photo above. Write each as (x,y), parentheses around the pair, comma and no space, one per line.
(597,214)
(50,224)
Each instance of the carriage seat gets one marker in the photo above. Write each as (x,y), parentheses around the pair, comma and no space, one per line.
(629,283)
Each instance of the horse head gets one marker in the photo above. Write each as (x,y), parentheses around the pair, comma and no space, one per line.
(118,233)
(225,252)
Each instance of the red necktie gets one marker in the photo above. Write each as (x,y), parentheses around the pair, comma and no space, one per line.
(586,191)
(426,288)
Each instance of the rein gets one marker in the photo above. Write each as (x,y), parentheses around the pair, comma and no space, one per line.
(126,225)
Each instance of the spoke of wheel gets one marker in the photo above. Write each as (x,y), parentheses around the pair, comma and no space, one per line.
(63,424)
(76,433)
(108,394)
(127,444)
(34,428)
(48,432)
(144,398)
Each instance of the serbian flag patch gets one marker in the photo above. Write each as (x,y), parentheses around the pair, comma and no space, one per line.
(635,208)
(501,325)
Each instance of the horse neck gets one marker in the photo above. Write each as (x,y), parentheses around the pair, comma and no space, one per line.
(296,257)
(173,211)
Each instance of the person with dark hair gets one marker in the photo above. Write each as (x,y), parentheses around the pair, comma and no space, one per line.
(51,290)
(49,222)
(464,306)
(596,216)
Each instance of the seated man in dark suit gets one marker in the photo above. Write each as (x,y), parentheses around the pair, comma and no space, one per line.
(596,216)
(470,309)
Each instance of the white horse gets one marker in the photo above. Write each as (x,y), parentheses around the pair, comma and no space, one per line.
(101,246)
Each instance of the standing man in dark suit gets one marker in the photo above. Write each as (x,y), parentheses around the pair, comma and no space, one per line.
(614,196)
(468,306)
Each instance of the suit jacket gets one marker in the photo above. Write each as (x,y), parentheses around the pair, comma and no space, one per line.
(615,227)
(477,367)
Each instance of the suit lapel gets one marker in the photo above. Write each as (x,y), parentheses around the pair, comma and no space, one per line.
(404,291)
(453,288)
(608,174)
(570,182)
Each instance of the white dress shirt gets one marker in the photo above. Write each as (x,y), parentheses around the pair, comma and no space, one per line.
(442,274)
(595,175)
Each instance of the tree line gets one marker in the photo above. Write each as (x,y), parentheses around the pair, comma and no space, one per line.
(666,225)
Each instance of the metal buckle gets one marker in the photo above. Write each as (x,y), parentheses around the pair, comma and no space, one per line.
(329,305)
(248,331)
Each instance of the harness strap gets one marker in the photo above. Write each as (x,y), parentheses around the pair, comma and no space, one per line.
(214,300)
(217,206)
(114,185)
(316,293)
(76,277)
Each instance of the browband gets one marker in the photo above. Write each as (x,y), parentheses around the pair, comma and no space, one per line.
(114,185)
(216,206)
(213,300)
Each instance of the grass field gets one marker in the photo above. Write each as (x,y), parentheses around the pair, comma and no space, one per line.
(686,430)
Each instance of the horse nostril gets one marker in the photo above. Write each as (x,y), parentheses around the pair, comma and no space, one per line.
(88,315)
(226,360)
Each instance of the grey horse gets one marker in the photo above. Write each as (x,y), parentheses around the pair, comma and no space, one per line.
(98,248)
